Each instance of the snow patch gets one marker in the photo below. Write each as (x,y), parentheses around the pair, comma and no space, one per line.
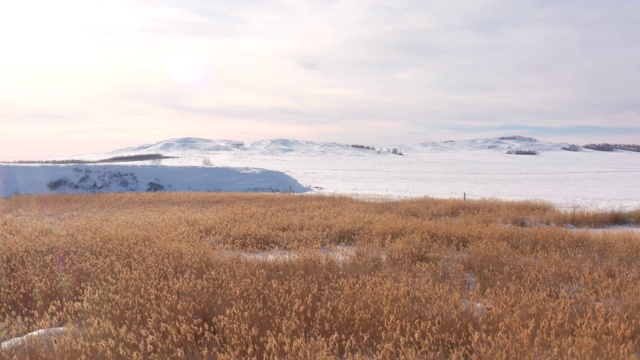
(47,335)
(338,253)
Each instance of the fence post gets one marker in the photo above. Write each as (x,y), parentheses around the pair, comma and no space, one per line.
(464,196)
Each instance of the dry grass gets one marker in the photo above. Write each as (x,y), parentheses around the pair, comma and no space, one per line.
(163,276)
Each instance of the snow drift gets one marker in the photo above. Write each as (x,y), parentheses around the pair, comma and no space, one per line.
(77,179)
(46,335)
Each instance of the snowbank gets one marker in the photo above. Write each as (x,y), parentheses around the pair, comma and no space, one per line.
(77,179)
(45,334)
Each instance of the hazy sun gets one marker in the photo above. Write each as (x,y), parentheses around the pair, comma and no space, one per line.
(187,68)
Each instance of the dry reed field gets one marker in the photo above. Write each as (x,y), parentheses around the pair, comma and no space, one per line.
(275,276)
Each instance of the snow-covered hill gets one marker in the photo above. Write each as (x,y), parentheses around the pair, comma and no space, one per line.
(187,147)
(288,146)
(177,147)
(74,179)
(502,144)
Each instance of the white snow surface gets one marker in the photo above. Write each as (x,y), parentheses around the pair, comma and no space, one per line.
(104,178)
(481,168)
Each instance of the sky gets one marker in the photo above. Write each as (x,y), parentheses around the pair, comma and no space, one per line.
(82,76)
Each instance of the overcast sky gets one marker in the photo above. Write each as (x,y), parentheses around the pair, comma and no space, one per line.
(79,76)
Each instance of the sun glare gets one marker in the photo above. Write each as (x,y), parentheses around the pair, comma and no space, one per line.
(187,68)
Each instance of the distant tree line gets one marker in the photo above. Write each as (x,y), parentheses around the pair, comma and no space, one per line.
(612,147)
(140,157)
(116,159)
(518,137)
(522,152)
(362,147)
(600,147)
(394,151)
(572,148)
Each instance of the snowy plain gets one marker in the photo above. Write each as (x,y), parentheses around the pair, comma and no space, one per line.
(479,168)
(563,178)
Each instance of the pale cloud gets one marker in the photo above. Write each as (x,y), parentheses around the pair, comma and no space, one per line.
(125,72)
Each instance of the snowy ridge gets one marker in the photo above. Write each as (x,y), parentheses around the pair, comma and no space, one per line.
(286,146)
(502,144)
(202,147)
(184,145)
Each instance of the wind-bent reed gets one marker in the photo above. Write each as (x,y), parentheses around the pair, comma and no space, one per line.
(167,275)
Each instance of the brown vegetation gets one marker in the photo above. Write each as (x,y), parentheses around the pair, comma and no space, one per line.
(166,276)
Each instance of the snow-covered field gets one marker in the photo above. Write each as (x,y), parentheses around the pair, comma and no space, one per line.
(480,168)
(584,179)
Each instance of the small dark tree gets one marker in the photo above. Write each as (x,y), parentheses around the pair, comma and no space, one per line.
(522,152)
(154,186)
(600,147)
(572,148)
